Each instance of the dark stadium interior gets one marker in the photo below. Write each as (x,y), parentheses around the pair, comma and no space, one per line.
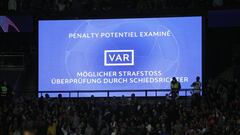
(215,112)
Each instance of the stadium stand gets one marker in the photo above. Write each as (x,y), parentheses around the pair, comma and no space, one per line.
(217,112)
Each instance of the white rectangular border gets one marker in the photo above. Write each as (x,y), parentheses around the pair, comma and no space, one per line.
(118,64)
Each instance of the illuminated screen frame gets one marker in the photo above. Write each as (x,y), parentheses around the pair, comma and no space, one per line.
(126,93)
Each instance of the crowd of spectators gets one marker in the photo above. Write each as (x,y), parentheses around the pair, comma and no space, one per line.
(217,114)
(105,6)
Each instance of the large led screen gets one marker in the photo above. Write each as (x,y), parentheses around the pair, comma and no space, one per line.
(119,54)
